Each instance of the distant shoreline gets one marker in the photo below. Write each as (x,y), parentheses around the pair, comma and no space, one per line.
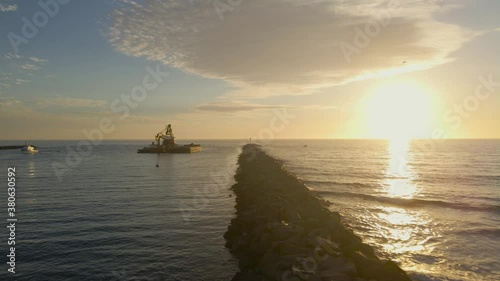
(282,231)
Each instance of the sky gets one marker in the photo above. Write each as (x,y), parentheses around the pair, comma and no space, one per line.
(220,69)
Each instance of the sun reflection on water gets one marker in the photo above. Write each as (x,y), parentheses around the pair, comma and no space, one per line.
(406,231)
(399,176)
(31,169)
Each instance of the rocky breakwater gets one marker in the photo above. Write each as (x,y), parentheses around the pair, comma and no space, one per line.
(282,231)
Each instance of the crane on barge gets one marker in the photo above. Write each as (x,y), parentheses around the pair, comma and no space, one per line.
(164,142)
(167,135)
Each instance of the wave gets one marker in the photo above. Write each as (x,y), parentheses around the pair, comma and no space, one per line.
(350,184)
(414,203)
(489,177)
(493,232)
(477,179)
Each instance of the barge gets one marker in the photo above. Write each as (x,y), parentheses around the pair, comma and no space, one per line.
(165,143)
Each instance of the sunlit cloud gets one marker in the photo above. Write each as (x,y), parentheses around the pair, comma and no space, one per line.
(232,107)
(287,47)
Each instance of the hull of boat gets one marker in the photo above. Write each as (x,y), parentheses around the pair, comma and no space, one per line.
(177,149)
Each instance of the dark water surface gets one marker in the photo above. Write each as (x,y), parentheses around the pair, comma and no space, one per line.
(115,216)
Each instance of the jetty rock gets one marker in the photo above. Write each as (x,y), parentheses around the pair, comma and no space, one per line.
(282,231)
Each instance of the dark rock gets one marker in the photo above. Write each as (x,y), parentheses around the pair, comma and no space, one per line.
(247,262)
(280,232)
(392,272)
(367,267)
(269,264)
(247,276)
(285,248)
(333,276)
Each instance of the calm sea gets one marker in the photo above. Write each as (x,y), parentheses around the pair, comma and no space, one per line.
(113,215)
(432,206)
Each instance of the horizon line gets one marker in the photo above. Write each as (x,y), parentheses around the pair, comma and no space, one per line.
(387,139)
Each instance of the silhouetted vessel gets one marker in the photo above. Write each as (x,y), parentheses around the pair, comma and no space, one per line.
(168,144)
(29,149)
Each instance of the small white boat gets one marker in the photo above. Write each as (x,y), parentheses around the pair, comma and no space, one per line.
(28,148)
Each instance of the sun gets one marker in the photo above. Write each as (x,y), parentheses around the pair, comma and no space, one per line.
(398,111)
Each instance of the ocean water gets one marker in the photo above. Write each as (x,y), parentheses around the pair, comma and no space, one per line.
(434,207)
(115,216)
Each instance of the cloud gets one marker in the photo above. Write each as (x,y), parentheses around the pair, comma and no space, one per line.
(287,44)
(4,7)
(64,102)
(257,92)
(20,81)
(54,106)
(230,107)
(12,56)
(9,103)
(233,107)
(29,66)
(38,60)
(15,69)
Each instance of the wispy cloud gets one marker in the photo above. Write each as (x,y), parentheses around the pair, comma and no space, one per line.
(54,106)
(285,44)
(38,60)
(65,102)
(21,81)
(5,7)
(16,69)
(12,56)
(8,102)
(29,66)
(232,107)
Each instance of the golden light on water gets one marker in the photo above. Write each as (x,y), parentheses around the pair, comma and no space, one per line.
(406,232)
(399,112)
(399,176)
